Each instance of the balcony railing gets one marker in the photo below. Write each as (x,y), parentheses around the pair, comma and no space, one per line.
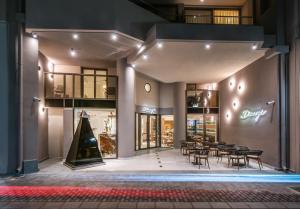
(226,20)
(80,86)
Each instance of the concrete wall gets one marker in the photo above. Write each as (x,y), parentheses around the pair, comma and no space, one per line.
(143,98)
(166,95)
(261,85)
(30,89)
(268,18)
(42,146)
(292,32)
(120,15)
(56,132)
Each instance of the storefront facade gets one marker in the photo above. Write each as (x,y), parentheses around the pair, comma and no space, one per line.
(120,75)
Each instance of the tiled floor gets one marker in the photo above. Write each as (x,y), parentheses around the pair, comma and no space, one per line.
(141,182)
(167,160)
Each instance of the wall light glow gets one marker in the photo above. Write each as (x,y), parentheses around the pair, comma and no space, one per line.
(228,115)
(114,37)
(235,104)
(73,52)
(34,35)
(159,45)
(241,87)
(207,46)
(75,36)
(209,94)
(231,84)
(145,57)
(138,46)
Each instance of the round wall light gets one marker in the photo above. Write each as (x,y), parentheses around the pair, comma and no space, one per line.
(235,104)
(159,45)
(145,57)
(231,84)
(114,37)
(147,87)
(228,115)
(241,87)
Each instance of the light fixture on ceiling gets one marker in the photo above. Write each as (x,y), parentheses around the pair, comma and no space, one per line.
(145,57)
(73,52)
(138,46)
(254,46)
(207,46)
(34,35)
(114,37)
(159,45)
(195,17)
(133,65)
(201,1)
(75,36)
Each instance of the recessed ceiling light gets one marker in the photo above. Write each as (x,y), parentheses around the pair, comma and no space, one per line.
(34,35)
(75,36)
(133,65)
(201,1)
(145,57)
(159,45)
(207,46)
(72,52)
(114,37)
(138,46)
(254,46)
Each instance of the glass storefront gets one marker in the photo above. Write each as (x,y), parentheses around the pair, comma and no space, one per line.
(153,131)
(104,125)
(167,131)
(202,112)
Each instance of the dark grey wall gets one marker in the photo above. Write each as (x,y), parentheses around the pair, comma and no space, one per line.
(261,85)
(268,18)
(30,89)
(120,15)
(2,9)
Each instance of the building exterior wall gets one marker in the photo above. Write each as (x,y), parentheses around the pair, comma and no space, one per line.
(30,89)
(143,98)
(261,85)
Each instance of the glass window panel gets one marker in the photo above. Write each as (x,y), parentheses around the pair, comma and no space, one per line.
(136,131)
(144,132)
(153,131)
(103,123)
(101,72)
(58,81)
(101,87)
(211,127)
(49,85)
(195,125)
(167,130)
(88,72)
(77,86)
(226,16)
(89,86)
(69,86)
(111,90)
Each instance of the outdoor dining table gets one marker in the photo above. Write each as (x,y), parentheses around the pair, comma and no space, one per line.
(195,150)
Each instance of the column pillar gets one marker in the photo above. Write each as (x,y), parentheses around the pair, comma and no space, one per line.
(179,113)
(9,102)
(126,109)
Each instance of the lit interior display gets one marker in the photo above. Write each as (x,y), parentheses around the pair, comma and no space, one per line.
(103,123)
(167,130)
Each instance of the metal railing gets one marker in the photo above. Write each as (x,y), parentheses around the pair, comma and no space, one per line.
(80,86)
(218,20)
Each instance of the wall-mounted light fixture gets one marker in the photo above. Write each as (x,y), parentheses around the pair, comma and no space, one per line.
(75,36)
(235,104)
(209,94)
(231,83)
(145,57)
(228,115)
(138,45)
(73,52)
(34,35)
(160,45)
(241,87)
(207,46)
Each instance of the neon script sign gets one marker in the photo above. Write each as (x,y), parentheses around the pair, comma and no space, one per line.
(256,115)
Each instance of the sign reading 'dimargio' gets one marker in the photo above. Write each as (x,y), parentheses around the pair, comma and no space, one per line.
(255,115)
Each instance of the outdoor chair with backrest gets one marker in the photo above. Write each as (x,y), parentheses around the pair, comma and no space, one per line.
(201,155)
(238,155)
(255,155)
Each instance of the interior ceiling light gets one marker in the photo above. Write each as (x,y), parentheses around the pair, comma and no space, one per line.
(207,46)
(159,45)
(34,35)
(138,46)
(114,37)
(201,1)
(133,65)
(72,52)
(75,36)
(254,46)
(145,57)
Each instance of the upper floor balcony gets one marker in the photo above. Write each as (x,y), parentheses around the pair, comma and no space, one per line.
(88,86)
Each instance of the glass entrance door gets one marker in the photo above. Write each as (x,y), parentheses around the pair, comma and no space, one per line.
(146,131)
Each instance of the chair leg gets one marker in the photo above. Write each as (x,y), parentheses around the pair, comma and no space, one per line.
(238,163)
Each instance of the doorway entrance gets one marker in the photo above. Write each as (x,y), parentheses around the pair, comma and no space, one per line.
(147,131)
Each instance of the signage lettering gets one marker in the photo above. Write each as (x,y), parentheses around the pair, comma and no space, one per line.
(148,110)
(256,115)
